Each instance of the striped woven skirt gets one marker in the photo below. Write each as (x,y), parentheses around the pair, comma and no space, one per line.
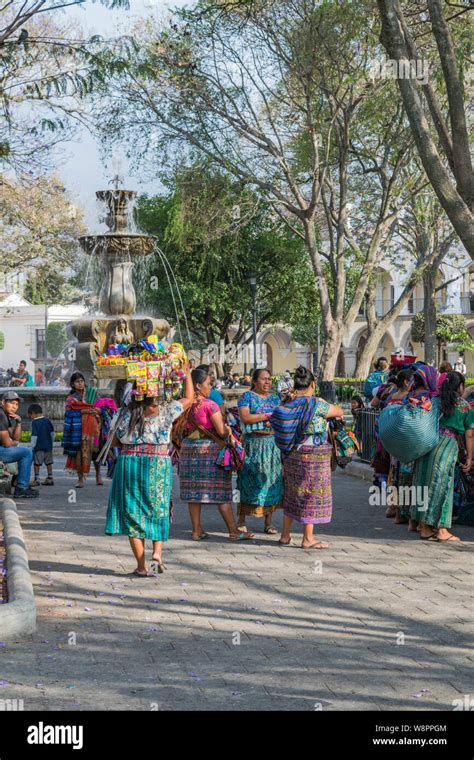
(200,479)
(307,480)
(260,482)
(435,472)
(140,495)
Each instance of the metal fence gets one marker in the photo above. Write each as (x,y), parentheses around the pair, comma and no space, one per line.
(345,390)
(365,431)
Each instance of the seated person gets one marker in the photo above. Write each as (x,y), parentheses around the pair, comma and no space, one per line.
(10,448)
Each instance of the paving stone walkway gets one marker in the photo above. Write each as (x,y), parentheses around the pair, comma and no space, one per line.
(380,620)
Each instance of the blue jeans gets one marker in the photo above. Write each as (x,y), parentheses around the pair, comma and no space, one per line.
(24,457)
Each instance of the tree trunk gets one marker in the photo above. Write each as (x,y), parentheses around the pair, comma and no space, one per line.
(365,359)
(441,180)
(429,312)
(332,346)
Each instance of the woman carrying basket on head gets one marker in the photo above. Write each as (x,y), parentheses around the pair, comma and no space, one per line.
(140,496)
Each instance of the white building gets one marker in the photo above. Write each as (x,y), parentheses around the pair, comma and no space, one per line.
(456,298)
(23,329)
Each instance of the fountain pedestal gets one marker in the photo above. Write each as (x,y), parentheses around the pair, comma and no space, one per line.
(117,250)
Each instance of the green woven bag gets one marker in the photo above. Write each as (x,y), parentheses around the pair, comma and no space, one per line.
(408,432)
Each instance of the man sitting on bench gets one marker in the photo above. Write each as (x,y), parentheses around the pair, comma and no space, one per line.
(10,448)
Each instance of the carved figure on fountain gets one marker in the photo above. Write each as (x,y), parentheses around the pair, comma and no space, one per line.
(121,332)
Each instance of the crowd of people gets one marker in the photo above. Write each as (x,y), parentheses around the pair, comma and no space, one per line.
(286,451)
(22,378)
(287,459)
(442,475)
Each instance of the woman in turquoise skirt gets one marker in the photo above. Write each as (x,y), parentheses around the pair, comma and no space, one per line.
(435,471)
(140,496)
(260,482)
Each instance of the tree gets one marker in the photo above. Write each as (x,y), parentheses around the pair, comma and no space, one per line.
(421,239)
(450,329)
(44,63)
(443,144)
(48,286)
(56,338)
(274,97)
(213,231)
(15,14)
(38,224)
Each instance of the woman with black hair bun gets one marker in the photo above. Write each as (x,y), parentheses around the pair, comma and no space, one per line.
(301,434)
(434,473)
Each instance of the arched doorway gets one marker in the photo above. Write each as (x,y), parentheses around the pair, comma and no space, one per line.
(269,351)
(341,365)
(360,346)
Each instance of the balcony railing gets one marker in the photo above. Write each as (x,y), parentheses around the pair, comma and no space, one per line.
(415,305)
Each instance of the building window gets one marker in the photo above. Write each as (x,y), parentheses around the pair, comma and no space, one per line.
(40,344)
(392,296)
(410,304)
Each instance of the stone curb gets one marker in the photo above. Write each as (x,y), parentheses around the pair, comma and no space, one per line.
(18,615)
(359,470)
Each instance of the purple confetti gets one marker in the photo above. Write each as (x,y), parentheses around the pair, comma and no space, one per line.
(87,609)
(3,682)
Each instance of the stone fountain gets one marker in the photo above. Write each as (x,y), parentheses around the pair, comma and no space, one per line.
(118,248)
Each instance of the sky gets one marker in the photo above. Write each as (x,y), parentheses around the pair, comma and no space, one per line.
(81,165)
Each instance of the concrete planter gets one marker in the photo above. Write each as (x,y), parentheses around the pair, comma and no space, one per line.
(18,615)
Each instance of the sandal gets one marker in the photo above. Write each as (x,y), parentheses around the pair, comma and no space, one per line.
(270,530)
(431,537)
(284,543)
(451,538)
(202,536)
(145,574)
(157,566)
(48,482)
(240,536)
(316,545)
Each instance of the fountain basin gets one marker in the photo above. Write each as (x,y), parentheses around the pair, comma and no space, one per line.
(110,243)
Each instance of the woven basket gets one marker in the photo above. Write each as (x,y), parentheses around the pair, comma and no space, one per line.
(113,372)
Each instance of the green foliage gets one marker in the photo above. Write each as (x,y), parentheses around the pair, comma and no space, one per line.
(56,337)
(450,329)
(2,341)
(214,230)
(25,436)
(46,286)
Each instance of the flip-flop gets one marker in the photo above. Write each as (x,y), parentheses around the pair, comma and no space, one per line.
(201,537)
(285,543)
(316,545)
(148,574)
(431,537)
(242,537)
(271,531)
(456,539)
